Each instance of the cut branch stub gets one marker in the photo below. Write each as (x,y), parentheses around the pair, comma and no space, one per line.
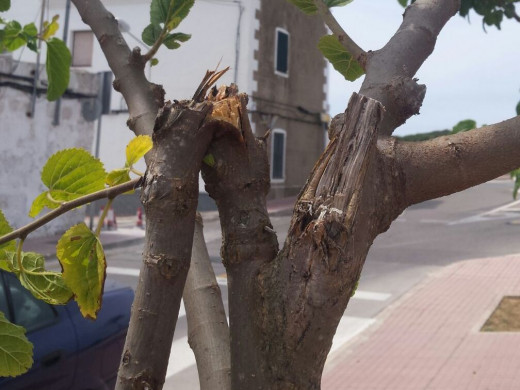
(338,176)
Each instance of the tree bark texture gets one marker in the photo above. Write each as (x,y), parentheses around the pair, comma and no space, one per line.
(208,331)
(239,183)
(169,195)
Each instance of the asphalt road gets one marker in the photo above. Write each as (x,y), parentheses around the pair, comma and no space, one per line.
(479,222)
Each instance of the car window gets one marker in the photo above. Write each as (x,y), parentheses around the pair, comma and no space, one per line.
(3,300)
(29,312)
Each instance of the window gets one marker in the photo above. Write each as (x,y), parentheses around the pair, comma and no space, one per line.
(82,48)
(281,52)
(278,155)
(29,312)
(3,300)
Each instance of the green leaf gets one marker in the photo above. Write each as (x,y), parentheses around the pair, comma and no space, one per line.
(137,148)
(154,61)
(83,260)
(209,160)
(465,125)
(340,58)
(8,246)
(151,33)
(172,40)
(163,11)
(16,351)
(518,109)
(118,176)
(308,7)
(13,38)
(30,29)
(5,5)
(404,3)
(45,285)
(69,174)
(40,202)
(337,3)
(50,28)
(58,68)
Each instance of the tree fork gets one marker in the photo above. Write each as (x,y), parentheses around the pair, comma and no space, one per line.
(169,195)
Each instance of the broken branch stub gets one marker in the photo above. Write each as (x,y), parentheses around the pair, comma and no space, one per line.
(323,255)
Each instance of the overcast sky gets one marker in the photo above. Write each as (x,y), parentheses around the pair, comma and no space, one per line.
(471,74)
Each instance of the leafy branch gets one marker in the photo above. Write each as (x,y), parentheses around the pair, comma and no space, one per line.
(165,16)
(345,40)
(109,193)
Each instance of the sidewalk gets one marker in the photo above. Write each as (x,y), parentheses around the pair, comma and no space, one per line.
(431,339)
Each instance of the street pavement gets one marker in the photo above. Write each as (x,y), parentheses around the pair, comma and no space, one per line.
(422,251)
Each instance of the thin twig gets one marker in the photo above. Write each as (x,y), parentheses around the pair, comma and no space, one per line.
(109,193)
(347,42)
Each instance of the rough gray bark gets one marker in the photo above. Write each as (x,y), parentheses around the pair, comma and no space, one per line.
(208,331)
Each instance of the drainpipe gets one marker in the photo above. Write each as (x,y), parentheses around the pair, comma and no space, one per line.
(57,108)
(37,69)
(237,43)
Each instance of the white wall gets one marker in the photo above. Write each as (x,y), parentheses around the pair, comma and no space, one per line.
(27,143)
(213,25)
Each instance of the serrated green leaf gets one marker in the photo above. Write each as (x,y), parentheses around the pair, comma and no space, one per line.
(465,125)
(58,68)
(40,203)
(12,37)
(16,351)
(151,33)
(8,246)
(163,11)
(5,5)
(30,29)
(340,58)
(69,174)
(209,160)
(83,260)
(50,28)
(45,285)
(118,176)
(137,148)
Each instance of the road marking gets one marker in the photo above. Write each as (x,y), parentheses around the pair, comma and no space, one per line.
(348,328)
(123,271)
(371,296)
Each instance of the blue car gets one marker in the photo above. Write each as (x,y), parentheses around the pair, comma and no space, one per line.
(70,352)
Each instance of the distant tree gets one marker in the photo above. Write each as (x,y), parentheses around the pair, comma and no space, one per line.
(284,305)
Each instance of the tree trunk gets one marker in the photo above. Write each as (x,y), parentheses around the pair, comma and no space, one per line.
(169,195)
(208,331)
